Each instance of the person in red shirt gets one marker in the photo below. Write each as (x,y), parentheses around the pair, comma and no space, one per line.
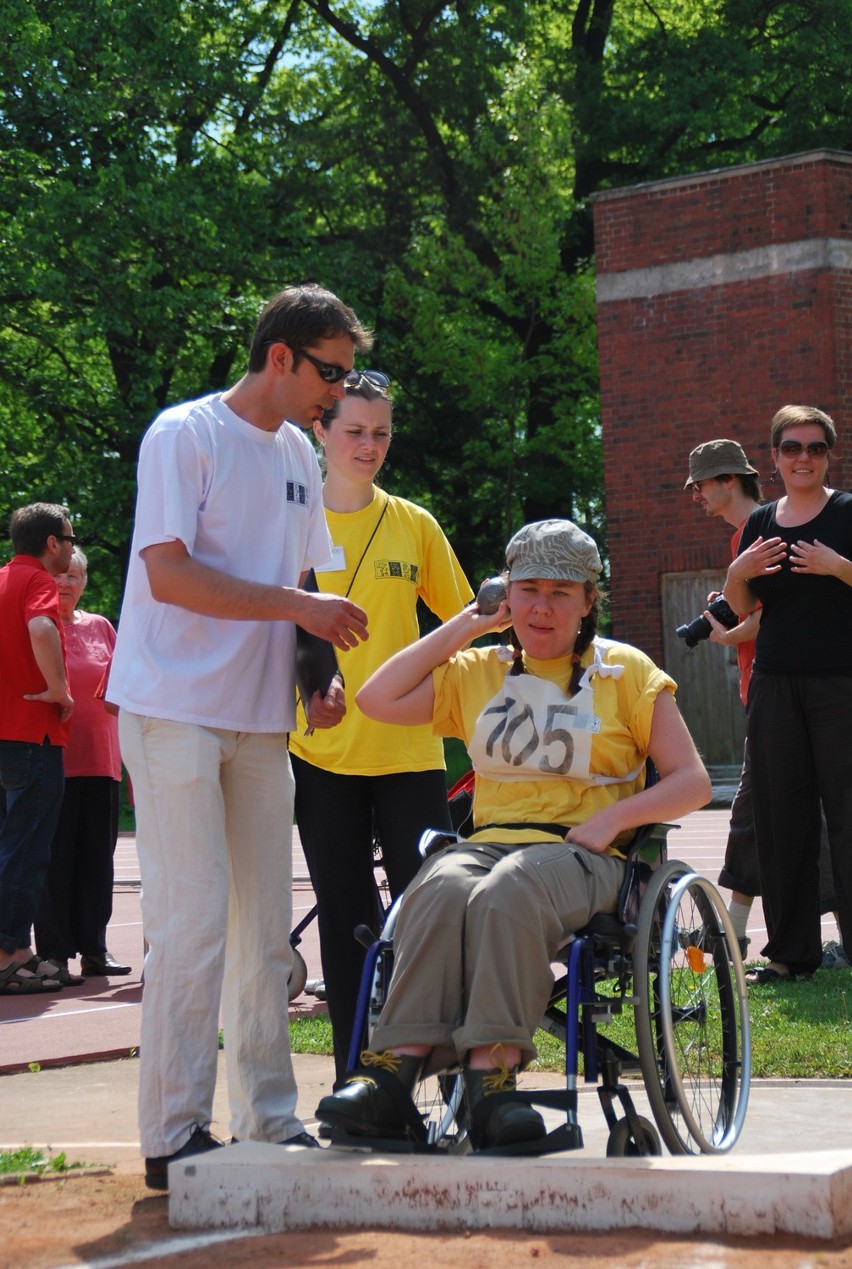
(35,709)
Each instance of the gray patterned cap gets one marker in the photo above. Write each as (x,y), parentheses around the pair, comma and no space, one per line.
(553,549)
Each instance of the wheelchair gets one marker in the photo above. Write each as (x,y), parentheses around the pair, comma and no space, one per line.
(670,953)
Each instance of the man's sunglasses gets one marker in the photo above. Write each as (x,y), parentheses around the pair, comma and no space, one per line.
(816,449)
(328,371)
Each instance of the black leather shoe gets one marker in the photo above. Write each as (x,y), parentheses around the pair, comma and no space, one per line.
(157,1169)
(102,966)
(300,1139)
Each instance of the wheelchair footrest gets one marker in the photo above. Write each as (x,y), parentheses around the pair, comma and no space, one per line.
(566,1137)
(382,1145)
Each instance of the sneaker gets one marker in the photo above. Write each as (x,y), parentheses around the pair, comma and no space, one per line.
(157,1168)
(834,956)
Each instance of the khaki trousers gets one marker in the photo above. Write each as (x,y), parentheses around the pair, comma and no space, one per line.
(477,931)
(214,814)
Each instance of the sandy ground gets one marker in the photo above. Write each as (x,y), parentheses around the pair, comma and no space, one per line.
(111,1220)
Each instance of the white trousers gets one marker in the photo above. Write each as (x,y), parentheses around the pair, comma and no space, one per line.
(214,814)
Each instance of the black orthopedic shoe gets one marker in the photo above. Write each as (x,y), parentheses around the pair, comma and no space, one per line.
(496,1118)
(374,1100)
(157,1168)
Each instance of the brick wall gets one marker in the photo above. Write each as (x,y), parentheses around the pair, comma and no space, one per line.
(721,297)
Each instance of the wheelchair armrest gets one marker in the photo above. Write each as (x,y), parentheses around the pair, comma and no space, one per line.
(646,852)
(433,840)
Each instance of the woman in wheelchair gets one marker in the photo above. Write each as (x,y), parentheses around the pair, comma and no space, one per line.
(558,728)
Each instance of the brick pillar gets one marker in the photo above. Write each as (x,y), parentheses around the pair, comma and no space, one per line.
(721,297)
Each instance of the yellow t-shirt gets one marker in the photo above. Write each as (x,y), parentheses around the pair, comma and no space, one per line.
(623,709)
(409,558)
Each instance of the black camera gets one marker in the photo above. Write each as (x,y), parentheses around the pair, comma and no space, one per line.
(700,628)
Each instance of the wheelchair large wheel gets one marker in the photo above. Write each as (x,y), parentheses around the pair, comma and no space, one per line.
(439,1098)
(692,1022)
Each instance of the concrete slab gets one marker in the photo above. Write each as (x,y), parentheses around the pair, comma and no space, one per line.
(791,1172)
(276,1189)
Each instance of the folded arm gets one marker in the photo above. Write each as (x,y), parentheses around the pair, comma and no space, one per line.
(47,650)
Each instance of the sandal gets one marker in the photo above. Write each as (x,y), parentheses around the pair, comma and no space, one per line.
(20,980)
(47,968)
(764,975)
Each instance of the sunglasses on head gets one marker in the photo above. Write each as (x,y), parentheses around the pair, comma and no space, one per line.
(816,449)
(376,378)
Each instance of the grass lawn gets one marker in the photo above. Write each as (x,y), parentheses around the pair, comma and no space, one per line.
(31,1162)
(800,1030)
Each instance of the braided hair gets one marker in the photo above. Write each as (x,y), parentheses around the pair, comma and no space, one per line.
(587,632)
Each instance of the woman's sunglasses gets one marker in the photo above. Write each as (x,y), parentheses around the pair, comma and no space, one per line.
(816,449)
(376,378)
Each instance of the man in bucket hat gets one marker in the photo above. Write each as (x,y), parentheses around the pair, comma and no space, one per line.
(723,483)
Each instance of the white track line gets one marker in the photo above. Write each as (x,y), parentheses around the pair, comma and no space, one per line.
(162,1250)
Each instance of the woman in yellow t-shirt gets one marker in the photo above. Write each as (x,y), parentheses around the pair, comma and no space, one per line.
(558,733)
(388,553)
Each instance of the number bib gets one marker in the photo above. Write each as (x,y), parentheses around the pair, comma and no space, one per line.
(531,730)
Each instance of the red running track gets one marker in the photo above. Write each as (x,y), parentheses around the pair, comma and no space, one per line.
(100,1019)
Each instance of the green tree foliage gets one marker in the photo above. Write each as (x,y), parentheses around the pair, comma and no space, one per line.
(165,167)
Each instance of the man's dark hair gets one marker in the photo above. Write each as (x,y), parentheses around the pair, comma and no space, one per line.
(750,486)
(301,315)
(31,526)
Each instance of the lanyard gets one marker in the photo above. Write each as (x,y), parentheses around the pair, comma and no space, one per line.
(367,547)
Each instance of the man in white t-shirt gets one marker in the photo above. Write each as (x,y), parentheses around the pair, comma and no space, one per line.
(229,519)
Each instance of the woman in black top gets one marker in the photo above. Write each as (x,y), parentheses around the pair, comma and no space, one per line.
(796,559)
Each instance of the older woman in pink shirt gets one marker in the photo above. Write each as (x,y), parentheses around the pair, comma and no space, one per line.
(76,902)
